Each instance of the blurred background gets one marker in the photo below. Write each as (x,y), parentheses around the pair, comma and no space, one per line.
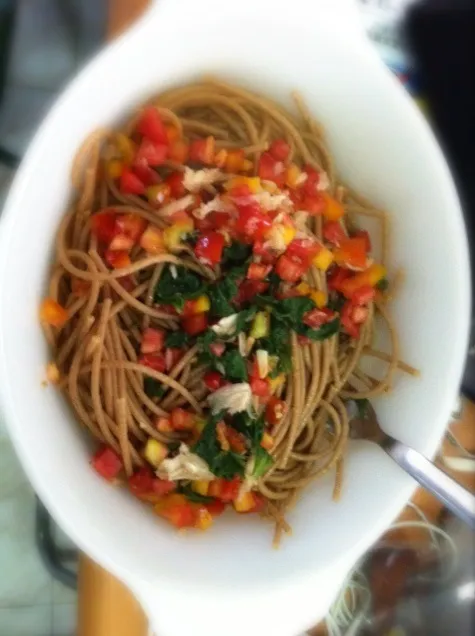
(409,583)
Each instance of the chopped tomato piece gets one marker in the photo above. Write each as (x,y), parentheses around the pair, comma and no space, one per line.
(314,204)
(352,317)
(162,487)
(290,269)
(249,288)
(131,225)
(121,242)
(234,160)
(153,154)
(309,186)
(318,317)
(224,489)
(266,255)
(153,361)
(107,463)
(209,248)
(178,151)
(152,240)
(152,340)
(173,133)
(363,295)
(370,276)
(275,410)
(217,348)
(236,440)
(216,507)
(258,271)
(202,150)
(337,278)
(52,313)
(163,425)
(252,224)
(259,386)
(303,250)
(103,225)
(172,356)
(175,181)
(117,259)
(270,169)
(150,125)
(333,232)
(279,149)
(351,253)
(127,282)
(180,515)
(333,208)
(182,420)
(194,325)
(141,482)
(130,183)
(213,380)
(364,234)
(147,175)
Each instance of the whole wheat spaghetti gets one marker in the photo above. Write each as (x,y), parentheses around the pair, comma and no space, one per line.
(211,301)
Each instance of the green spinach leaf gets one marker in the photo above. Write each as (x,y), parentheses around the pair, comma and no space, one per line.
(174,291)
(153,388)
(322,333)
(383,284)
(220,295)
(222,464)
(234,365)
(191,495)
(176,339)
(236,254)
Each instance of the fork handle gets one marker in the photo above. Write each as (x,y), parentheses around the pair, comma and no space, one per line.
(454,496)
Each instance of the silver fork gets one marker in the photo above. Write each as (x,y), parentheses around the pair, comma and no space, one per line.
(454,496)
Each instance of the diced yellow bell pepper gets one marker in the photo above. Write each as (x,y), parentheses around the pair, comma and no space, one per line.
(126,147)
(292,175)
(247,165)
(114,168)
(173,235)
(333,208)
(277,382)
(158,194)
(204,519)
(155,452)
(199,424)
(319,298)
(244,502)
(253,183)
(201,487)
(288,234)
(267,441)
(303,288)
(201,304)
(260,325)
(323,259)
(375,273)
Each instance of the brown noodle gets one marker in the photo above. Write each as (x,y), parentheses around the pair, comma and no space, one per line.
(96,350)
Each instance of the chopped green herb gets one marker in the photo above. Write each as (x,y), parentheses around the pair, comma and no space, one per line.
(174,291)
(222,464)
(322,333)
(220,295)
(191,495)
(262,461)
(234,366)
(153,388)
(363,408)
(176,339)
(236,254)
(383,284)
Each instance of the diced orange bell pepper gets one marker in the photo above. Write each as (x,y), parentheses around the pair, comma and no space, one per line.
(333,209)
(370,276)
(351,253)
(152,240)
(177,510)
(52,313)
(203,518)
(267,441)
(172,133)
(117,259)
(163,425)
(201,487)
(234,160)
(114,168)
(220,158)
(179,151)
(253,183)
(244,502)
(121,242)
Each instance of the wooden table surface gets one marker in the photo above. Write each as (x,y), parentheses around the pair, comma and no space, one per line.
(105,606)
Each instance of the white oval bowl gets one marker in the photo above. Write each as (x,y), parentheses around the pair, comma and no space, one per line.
(383,147)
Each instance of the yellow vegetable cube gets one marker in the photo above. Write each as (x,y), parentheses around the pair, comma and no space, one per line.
(244,502)
(204,519)
(304,289)
(201,487)
(323,259)
(114,168)
(319,298)
(155,452)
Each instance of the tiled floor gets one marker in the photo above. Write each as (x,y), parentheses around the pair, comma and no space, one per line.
(46,51)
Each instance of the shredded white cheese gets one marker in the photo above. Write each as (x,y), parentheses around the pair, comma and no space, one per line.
(234,398)
(215,205)
(195,180)
(323,181)
(270,202)
(275,238)
(185,465)
(176,206)
(226,326)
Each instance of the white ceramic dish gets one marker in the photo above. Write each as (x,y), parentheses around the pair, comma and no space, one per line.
(229,580)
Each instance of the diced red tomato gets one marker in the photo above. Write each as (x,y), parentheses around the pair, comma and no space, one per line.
(182,420)
(209,248)
(152,153)
(217,348)
(252,223)
(249,288)
(194,325)
(258,271)
(80,287)
(236,440)
(303,250)
(107,463)
(241,194)
(147,175)
(202,150)
(314,204)
(150,125)
(309,186)
(270,169)
(131,225)
(352,317)
(266,255)
(103,225)
(363,295)
(178,151)
(117,259)
(175,181)
(318,317)
(364,234)
(290,269)
(162,487)
(127,282)
(303,340)
(130,183)
(52,313)
(333,232)
(213,380)
(153,361)
(259,502)
(337,277)
(140,483)
(233,161)
(279,149)
(225,489)
(152,240)
(152,340)
(172,356)
(180,514)
(260,386)
(275,410)
(351,253)
(216,507)
(121,242)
